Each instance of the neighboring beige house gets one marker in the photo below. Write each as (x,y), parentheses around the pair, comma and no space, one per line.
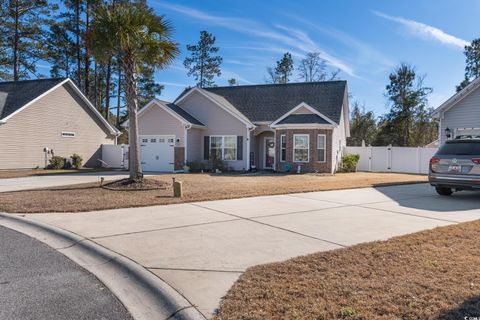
(460,114)
(277,127)
(53,114)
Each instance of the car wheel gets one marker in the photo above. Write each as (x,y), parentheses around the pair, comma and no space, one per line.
(444,191)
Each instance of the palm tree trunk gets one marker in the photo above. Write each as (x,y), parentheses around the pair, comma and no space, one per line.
(132,106)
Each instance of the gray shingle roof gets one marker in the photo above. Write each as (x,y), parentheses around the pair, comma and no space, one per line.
(16,94)
(182,113)
(269,102)
(303,118)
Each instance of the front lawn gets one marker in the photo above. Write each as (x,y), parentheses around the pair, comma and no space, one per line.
(433,274)
(20,173)
(196,187)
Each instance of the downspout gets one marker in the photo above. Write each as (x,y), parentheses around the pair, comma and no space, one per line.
(249,130)
(185,142)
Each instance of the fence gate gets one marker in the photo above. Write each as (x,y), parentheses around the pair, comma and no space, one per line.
(393,159)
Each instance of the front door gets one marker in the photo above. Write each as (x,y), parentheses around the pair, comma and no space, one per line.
(269,153)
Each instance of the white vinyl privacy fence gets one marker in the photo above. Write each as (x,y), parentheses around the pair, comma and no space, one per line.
(115,156)
(392,159)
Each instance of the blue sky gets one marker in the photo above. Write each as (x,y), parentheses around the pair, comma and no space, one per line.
(364,39)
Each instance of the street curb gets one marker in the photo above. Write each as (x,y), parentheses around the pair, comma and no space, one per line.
(143,294)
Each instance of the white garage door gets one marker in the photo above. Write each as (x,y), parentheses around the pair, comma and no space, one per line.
(157,153)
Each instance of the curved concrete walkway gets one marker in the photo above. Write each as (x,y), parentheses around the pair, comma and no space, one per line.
(202,248)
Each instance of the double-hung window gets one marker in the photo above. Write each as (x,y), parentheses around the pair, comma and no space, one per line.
(223,147)
(301,147)
(321,147)
(283,148)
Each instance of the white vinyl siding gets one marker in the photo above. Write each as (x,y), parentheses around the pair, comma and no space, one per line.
(223,147)
(283,148)
(321,147)
(464,114)
(301,147)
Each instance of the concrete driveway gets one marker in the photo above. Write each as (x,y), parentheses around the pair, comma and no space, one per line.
(202,248)
(56,180)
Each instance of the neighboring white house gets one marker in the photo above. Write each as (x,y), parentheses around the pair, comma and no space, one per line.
(53,114)
(460,115)
(274,127)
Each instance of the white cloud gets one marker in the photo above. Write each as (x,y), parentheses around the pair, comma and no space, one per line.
(240,63)
(426,31)
(226,75)
(173,84)
(296,38)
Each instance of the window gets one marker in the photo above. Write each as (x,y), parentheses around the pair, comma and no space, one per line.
(300,147)
(144,140)
(153,140)
(321,148)
(283,148)
(170,140)
(66,134)
(223,147)
(161,140)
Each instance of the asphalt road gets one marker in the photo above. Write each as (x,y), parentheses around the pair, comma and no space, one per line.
(36,282)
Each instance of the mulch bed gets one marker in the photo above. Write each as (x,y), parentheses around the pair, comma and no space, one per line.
(433,274)
(132,185)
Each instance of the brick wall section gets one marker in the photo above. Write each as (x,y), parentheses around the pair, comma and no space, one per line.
(179,158)
(313,165)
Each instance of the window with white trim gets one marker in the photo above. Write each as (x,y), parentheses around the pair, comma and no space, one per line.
(321,139)
(283,148)
(301,147)
(67,134)
(223,147)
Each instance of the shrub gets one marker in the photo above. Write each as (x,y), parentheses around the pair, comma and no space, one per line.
(56,162)
(76,160)
(195,166)
(349,162)
(218,164)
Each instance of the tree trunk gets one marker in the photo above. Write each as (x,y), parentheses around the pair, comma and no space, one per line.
(132,105)
(16,41)
(77,42)
(119,91)
(87,52)
(95,86)
(107,89)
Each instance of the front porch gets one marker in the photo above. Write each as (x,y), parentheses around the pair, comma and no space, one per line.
(262,150)
(286,150)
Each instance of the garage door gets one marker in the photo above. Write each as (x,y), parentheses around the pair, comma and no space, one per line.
(157,153)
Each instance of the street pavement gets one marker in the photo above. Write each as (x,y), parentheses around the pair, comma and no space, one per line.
(37,282)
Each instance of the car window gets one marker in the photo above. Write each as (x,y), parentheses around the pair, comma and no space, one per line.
(460,148)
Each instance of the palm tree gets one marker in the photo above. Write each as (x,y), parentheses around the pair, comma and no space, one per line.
(138,36)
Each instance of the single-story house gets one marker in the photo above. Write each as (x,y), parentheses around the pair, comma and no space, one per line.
(274,127)
(53,114)
(460,114)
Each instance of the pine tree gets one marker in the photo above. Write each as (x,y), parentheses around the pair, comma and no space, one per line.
(363,126)
(23,37)
(472,67)
(203,64)
(60,48)
(408,100)
(282,71)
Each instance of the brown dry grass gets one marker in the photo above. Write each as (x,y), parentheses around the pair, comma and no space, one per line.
(433,274)
(196,187)
(20,173)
